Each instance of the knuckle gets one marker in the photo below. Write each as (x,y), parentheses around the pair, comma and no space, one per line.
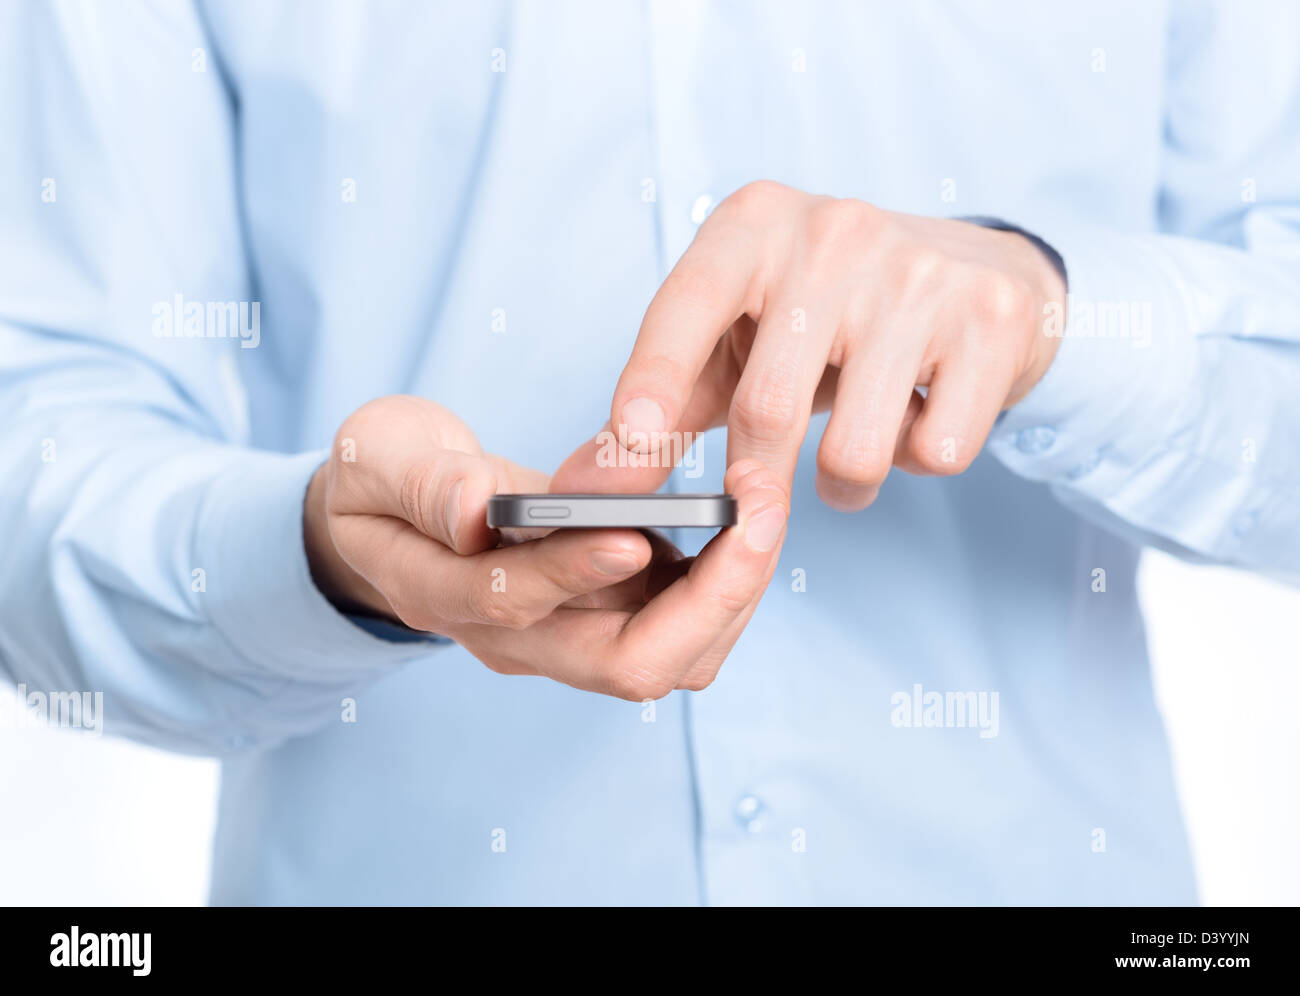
(732,598)
(378,418)
(739,475)
(765,480)
(636,684)
(697,682)
(835,222)
(858,460)
(924,265)
(498,665)
(757,195)
(693,282)
(347,430)
(497,609)
(355,424)
(414,498)
(609,627)
(940,451)
(1001,300)
(571,582)
(344,446)
(766,409)
(374,416)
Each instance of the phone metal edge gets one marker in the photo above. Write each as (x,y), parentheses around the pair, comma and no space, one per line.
(595,511)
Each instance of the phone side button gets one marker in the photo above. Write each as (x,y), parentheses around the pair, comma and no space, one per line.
(549,512)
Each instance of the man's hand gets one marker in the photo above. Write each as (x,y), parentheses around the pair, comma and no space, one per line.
(395,525)
(787,304)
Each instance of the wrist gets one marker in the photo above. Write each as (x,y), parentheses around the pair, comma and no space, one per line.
(1045,273)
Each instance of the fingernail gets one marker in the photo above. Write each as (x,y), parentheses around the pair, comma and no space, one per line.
(763,528)
(453,508)
(643,415)
(612,564)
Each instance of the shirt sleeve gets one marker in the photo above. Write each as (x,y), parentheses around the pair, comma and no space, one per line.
(1170,414)
(151,554)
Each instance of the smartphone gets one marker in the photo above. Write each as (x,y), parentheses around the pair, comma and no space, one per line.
(611,511)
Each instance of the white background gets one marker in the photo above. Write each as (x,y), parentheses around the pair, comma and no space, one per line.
(104,822)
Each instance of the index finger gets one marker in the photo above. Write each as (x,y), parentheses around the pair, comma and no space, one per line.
(712,285)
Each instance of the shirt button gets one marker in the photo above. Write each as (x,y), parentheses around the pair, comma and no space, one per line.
(701,209)
(750,812)
(1085,468)
(1036,440)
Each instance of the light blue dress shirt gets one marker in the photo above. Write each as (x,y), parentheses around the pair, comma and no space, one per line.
(474,203)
